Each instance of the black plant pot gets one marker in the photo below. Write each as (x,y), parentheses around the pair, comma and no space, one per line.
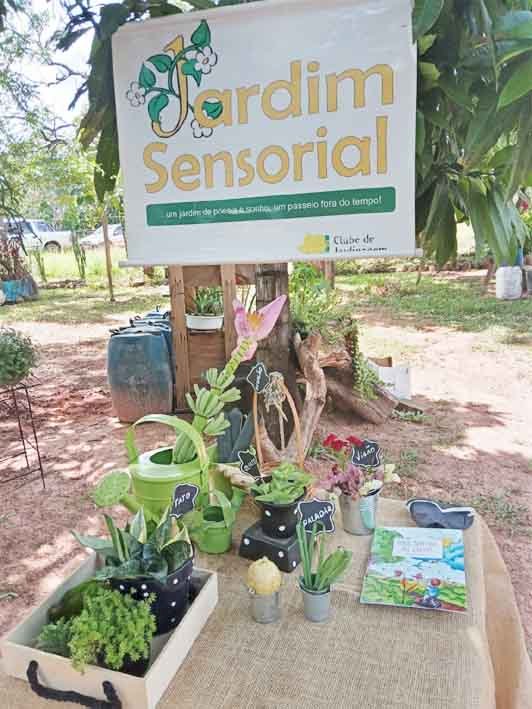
(171,596)
(137,668)
(279,521)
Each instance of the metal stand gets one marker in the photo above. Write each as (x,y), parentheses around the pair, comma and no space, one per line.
(15,404)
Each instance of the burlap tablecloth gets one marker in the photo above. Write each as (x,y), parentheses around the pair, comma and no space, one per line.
(372,657)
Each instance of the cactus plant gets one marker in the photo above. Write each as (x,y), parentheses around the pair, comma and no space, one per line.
(113,489)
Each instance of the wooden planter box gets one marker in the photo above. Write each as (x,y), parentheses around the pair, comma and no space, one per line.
(167,653)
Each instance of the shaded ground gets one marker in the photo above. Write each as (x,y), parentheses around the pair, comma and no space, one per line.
(472,446)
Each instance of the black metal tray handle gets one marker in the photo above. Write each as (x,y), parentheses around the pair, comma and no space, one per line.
(71,696)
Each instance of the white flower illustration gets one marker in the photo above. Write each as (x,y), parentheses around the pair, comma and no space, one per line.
(205,59)
(199,131)
(136,94)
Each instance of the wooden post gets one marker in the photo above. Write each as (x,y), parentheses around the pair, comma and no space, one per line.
(228,277)
(108,262)
(272,281)
(179,334)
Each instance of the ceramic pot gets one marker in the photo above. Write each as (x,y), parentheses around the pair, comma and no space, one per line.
(359,516)
(265,608)
(205,322)
(316,604)
(279,521)
(171,595)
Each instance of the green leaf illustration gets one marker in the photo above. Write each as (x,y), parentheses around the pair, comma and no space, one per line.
(213,109)
(189,69)
(161,62)
(201,36)
(156,105)
(146,77)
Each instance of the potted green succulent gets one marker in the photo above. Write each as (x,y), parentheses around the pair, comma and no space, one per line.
(316,584)
(148,560)
(208,310)
(17,356)
(111,630)
(278,497)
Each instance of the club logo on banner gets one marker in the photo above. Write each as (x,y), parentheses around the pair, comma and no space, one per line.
(218,127)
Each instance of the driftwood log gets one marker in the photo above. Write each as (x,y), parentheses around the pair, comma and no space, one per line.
(307,352)
(325,371)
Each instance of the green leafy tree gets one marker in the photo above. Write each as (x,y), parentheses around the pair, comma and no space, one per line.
(474,117)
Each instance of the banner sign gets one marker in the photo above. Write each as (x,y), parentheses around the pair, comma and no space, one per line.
(273,131)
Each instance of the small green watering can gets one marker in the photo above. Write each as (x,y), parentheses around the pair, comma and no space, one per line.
(154,476)
(211,526)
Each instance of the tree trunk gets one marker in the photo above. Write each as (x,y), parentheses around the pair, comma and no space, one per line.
(274,351)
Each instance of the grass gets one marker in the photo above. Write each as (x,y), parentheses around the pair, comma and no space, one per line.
(90,303)
(81,305)
(460,304)
(503,512)
(408,462)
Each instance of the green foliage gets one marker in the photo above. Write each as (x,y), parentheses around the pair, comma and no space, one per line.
(314,305)
(328,570)
(17,356)
(474,100)
(236,437)
(288,483)
(142,549)
(365,380)
(71,604)
(110,628)
(38,256)
(208,301)
(55,638)
(80,256)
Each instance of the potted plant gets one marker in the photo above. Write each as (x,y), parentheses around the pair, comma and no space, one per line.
(16,281)
(264,583)
(148,560)
(208,310)
(211,526)
(111,630)
(278,497)
(316,584)
(358,488)
(155,473)
(17,356)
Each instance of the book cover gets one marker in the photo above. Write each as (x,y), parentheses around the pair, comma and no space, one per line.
(416,568)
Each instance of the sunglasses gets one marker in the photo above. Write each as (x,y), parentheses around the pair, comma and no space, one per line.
(427,513)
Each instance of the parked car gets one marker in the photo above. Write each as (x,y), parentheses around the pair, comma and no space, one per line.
(38,234)
(116,237)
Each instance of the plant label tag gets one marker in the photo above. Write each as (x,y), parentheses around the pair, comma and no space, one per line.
(368,455)
(184,497)
(249,463)
(259,378)
(317,511)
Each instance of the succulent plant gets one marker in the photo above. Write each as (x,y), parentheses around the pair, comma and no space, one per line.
(17,356)
(264,577)
(113,489)
(236,437)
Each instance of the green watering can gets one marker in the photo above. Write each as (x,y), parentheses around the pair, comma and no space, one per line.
(154,476)
(211,526)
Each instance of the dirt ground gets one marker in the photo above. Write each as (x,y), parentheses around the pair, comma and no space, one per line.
(474,444)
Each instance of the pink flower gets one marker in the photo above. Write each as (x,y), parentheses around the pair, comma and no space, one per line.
(398,572)
(419,577)
(256,326)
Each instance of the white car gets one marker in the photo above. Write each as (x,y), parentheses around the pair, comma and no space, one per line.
(38,234)
(116,237)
